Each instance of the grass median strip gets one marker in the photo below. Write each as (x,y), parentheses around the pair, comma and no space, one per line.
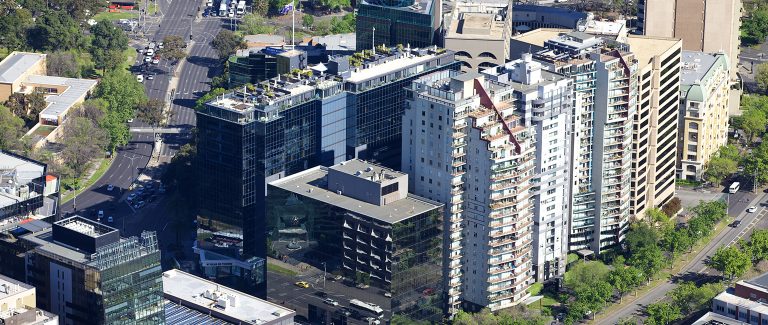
(103,167)
(280,270)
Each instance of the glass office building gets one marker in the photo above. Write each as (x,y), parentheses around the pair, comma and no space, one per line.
(87,274)
(376,234)
(392,22)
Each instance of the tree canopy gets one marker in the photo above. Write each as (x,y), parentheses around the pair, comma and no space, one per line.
(122,93)
(226,43)
(253,23)
(108,45)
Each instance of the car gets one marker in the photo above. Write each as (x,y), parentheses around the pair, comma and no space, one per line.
(150,52)
(302,284)
(110,219)
(140,78)
(139,205)
(388,295)
(155,61)
(110,187)
(372,320)
(151,76)
(735,223)
(231,14)
(151,45)
(752,209)
(131,197)
(321,294)
(101,213)
(160,45)
(147,59)
(205,14)
(130,120)
(331,302)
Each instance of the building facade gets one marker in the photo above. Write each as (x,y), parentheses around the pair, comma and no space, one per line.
(248,138)
(473,149)
(85,273)
(19,302)
(358,218)
(745,301)
(704,102)
(710,26)
(544,99)
(479,32)
(412,23)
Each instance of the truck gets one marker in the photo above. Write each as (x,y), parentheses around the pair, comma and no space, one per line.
(240,8)
(223,8)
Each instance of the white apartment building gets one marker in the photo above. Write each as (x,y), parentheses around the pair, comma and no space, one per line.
(604,78)
(545,101)
(471,143)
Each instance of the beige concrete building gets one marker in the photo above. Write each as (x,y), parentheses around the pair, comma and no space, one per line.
(18,302)
(704,102)
(479,32)
(710,26)
(655,127)
(23,72)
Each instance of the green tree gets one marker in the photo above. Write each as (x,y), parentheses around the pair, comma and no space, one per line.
(335,5)
(260,7)
(719,168)
(226,43)
(92,109)
(641,235)
(662,313)
(761,77)
(252,24)
(151,112)
(36,102)
(15,23)
(200,103)
(757,163)
(624,279)
(56,30)
(731,261)
(676,241)
(758,244)
(83,141)
(689,298)
(122,93)
(753,123)
(344,25)
(586,273)
(754,27)
(307,20)
(108,45)
(173,48)
(650,260)
(11,129)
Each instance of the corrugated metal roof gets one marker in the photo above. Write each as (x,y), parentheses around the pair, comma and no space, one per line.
(13,66)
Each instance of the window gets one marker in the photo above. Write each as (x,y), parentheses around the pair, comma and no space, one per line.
(391,188)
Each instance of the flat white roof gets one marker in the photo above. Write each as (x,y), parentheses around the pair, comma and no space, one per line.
(247,309)
(10,287)
(13,66)
(388,67)
(60,103)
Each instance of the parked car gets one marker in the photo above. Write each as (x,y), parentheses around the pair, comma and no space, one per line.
(331,302)
(151,45)
(160,45)
(155,61)
(139,205)
(147,59)
(101,213)
(110,219)
(131,197)
(110,187)
(150,52)
(140,78)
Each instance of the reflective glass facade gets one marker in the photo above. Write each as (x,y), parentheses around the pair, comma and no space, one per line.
(251,69)
(404,258)
(395,24)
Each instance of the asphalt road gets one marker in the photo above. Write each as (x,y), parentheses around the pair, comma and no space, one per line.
(179,18)
(696,270)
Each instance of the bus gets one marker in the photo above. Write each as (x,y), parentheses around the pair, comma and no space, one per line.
(223,8)
(369,307)
(240,8)
(734,188)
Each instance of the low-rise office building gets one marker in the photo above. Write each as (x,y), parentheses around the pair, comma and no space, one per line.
(358,218)
(704,103)
(18,301)
(186,294)
(746,301)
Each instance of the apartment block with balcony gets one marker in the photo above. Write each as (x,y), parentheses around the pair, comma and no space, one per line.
(655,125)
(703,120)
(470,148)
(544,99)
(604,82)
(358,218)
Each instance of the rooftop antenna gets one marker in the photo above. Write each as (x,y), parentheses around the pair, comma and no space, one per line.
(293,25)
(373,39)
